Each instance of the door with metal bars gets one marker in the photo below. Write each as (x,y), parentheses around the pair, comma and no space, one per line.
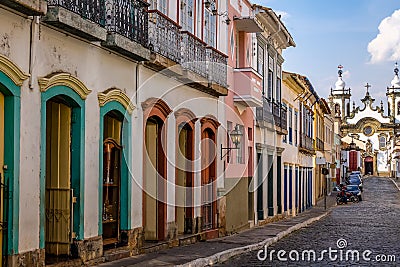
(58,227)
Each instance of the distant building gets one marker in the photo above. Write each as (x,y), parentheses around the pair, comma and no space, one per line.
(369,131)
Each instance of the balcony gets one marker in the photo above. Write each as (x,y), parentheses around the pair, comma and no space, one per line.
(127,24)
(217,67)
(194,54)
(319,144)
(164,40)
(205,68)
(27,7)
(185,56)
(83,18)
(280,118)
(248,87)
(264,115)
(306,144)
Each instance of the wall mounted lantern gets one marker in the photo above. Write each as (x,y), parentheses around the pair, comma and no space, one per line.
(236,137)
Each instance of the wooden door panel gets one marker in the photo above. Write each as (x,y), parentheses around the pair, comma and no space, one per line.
(58,181)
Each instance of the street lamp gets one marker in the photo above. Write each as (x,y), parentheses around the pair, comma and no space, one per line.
(236,137)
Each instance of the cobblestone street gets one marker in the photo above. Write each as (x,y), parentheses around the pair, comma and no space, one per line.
(372,224)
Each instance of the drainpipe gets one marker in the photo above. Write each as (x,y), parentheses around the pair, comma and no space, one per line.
(32,48)
(137,81)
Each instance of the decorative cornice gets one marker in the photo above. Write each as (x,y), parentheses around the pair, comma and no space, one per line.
(12,71)
(157,103)
(185,113)
(115,94)
(211,119)
(64,79)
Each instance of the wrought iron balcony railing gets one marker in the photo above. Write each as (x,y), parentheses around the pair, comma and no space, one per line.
(193,54)
(217,66)
(128,18)
(264,114)
(92,10)
(284,124)
(306,142)
(280,115)
(319,144)
(164,36)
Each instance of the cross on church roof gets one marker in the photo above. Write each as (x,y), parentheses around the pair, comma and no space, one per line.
(396,69)
(367,86)
(340,72)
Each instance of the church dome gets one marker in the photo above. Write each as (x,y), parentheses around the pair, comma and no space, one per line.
(340,84)
(396,82)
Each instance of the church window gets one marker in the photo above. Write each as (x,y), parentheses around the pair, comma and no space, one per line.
(382,142)
(398,108)
(337,110)
(368,130)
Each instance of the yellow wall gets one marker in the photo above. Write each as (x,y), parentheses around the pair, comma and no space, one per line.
(236,203)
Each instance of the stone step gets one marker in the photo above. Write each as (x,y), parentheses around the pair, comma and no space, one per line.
(116,254)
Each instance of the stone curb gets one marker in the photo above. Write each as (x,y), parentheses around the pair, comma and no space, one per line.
(227,254)
(395,184)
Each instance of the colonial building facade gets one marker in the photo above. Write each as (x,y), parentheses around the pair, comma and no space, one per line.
(117,121)
(102,113)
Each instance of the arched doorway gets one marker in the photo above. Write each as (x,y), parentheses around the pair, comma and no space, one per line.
(155,114)
(62,173)
(62,168)
(369,165)
(208,173)
(184,179)
(112,172)
(155,208)
(11,79)
(115,181)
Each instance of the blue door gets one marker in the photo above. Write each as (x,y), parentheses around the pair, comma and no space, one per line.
(285,183)
(297,188)
(290,187)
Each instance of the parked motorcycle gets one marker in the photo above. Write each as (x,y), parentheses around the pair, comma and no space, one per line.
(348,197)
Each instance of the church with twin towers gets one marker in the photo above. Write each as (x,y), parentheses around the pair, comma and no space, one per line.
(370,133)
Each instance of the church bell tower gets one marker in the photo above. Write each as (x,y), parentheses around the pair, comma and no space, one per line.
(393,95)
(340,97)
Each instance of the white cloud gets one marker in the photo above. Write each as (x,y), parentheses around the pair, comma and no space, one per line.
(346,75)
(386,45)
(284,15)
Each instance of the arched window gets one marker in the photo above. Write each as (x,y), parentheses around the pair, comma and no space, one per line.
(337,110)
(398,108)
(382,142)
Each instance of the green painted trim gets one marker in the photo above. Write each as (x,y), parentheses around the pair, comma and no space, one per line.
(78,157)
(126,175)
(12,126)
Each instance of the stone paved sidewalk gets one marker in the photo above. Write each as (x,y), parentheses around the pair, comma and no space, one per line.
(217,250)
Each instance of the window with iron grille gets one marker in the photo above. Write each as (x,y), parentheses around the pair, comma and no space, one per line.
(210,25)
(260,60)
(240,150)
(270,77)
(161,5)
(186,18)
(278,85)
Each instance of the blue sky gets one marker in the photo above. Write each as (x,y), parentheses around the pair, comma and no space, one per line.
(329,33)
